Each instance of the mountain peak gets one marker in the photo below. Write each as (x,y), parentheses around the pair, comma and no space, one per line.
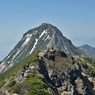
(45,36)
(87,48)
(86,45)
(49,26)
(45,24)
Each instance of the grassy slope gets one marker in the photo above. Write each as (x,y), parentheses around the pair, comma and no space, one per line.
(17,67)
(33,83)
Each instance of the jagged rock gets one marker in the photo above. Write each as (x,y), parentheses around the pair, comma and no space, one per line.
(66,93)
(85,66)
(18,78)
(14,94)
(93,73)
(4,92)
(55,80)
(61,72)
(81,88)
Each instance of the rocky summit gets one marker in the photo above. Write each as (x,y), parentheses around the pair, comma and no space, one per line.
(50,72)
(44,36)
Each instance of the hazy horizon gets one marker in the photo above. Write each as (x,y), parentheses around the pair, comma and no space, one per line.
(75,19)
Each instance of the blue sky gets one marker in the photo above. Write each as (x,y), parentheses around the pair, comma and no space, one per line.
(75,19)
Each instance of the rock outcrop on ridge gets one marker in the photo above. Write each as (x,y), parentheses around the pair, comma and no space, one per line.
(62,73)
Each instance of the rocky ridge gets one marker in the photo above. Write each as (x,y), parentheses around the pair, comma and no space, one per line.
(63,73)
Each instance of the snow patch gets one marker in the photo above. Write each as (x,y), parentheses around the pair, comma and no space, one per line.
(46,32)
(9,67)
(48,37)
(28,37)
(35,32)
(36,40)
(15,55)
(42,33)
(43,38)
(8,56)
(2,66)
(34,45)
(8,61)
(1,63)
(66,48)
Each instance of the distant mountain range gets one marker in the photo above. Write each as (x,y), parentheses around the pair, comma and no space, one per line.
(45,36)
(87,48)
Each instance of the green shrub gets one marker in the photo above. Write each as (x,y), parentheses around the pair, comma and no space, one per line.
(11,82)
(36,85)
(19,88)
(79,59)
(67,83)
(90,68)
(50,65)
(39,92)
(89,60)
(55,71)
(2,83)
(18,66)
(33,85)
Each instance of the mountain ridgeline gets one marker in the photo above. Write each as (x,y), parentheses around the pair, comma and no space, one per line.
(43,37)
(87,48)
(50,72)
